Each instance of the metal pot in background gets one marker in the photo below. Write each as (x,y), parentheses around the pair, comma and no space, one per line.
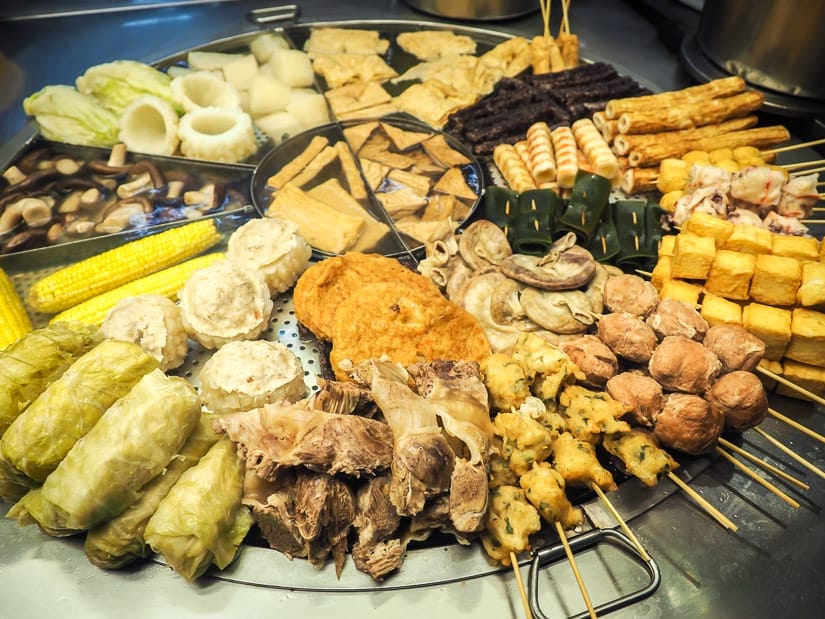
(773,44)
(482,10)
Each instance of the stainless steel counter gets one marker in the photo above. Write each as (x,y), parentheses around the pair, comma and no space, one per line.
(772,567)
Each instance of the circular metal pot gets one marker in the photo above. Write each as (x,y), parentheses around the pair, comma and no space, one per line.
(483,10)
(771,44)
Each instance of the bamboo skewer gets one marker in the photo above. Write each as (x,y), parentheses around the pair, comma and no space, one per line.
(801,390)
(545,16)
(796,425)
(757,478)
(710,509)
(765,465)
(575,568)
(783,149)
(522,591)
(790,452)
(804,172)
(565,20)
(802,164)
(622,523)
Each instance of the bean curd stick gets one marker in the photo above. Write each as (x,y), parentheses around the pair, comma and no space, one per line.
(796,425)
(790,452)
(801,390)
(765,465)
(575,568)
(723,87)
(784,149)
(710,509)
(522,591)
(758,479)
(622,523)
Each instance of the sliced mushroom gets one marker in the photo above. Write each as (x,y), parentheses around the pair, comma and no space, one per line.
(13,175)
(207,198)
(11,218)
(71,203)
(34,160)
(141,183)
(562,312)
(566,267)
(36,210)
(30,181)
(483,246)
(126,213)
(155,174)
(27,239)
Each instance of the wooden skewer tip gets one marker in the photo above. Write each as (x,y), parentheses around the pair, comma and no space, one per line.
(521,589)
(572,560)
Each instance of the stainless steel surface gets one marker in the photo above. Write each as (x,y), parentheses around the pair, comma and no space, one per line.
(772,567)
(774,45)
(475,9)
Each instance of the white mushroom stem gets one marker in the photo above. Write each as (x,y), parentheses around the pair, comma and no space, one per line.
(67,166)
(35,211)
(71,203)
(117,156)
(10,217)
(142,182)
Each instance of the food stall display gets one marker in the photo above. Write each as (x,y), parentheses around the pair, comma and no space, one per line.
(336,301)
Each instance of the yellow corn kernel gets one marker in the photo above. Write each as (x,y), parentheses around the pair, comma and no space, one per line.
(167,283)
(14,320)
(88,278)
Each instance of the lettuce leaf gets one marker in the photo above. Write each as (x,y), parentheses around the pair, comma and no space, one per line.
(116,84)
(66,115)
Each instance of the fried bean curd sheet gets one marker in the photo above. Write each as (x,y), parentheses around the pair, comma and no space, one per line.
(345,41)
(340,69)
(431,44)
(327,284)
(407,324)
(433,101)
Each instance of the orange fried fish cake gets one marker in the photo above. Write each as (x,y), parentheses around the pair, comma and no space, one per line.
(407,324)
(325,285)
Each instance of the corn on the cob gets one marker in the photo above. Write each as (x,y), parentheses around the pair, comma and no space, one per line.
(14,320)
(167,283)
(88,278)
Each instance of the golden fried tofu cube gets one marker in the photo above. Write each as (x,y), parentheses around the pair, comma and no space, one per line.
(668,200)
(812,290)
(696,156)
(720,154)
(770,324)
(661,272)
(807,343)
(719,311)
(776,280)
(666,245)
(731,274)
(822,251)
(799,247)
(705,224)
(692,256)
(773,366)
(749,239)
(673,175)
(808,377)
(681,291)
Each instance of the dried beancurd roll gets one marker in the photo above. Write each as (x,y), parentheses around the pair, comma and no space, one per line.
(512,168)
(569,44)
(567,165)
(542,159)
(597,151)
(540,55)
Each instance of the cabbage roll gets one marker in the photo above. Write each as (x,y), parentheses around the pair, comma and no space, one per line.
(43,434)
(104,471)
(201,521)
(119,541)
(32,363)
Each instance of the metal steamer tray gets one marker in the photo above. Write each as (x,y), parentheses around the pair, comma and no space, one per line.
(604,555)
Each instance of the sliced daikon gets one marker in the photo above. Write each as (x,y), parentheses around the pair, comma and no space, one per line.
(241,71)
(279,125)
(309,109)
(267,94)
(209,61)
(263,44)
(293,66)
